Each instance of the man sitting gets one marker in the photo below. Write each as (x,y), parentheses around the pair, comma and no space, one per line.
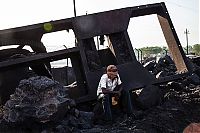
(110,85)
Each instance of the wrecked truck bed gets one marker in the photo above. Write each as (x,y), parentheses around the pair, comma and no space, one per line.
(88,63)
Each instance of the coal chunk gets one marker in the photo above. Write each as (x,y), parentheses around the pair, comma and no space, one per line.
(149,96)
(38,98)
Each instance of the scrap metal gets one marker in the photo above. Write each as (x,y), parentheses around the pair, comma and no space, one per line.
(88,62)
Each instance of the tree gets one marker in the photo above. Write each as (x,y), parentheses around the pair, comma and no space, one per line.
(151,50)
(196,49)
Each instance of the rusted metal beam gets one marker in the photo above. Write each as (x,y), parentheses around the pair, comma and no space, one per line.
(174,48)
(114,25)
(36,31)
(38,58)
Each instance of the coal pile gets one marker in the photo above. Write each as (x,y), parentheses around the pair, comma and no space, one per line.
(163,67)
(165,108)
(40,104)
(37,97)
(180,106)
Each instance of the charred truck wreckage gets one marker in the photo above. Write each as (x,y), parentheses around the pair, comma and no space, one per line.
(88,63)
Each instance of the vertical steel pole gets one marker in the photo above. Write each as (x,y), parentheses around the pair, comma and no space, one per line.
(74,8)
(186,33)
(97,43)
(138,54)
(74,3)
(67,67)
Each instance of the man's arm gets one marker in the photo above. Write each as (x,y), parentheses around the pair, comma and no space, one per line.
(105,91)
(118,91)
(120,87)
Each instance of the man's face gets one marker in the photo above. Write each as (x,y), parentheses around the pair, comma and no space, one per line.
(112,73)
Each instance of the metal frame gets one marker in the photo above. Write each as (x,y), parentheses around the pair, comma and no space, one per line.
(85,58)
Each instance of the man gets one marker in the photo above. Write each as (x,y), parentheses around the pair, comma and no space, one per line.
(110,85)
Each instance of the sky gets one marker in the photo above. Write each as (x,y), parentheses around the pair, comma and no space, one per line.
(143,31)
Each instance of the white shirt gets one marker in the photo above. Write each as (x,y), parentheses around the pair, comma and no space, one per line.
(107,83)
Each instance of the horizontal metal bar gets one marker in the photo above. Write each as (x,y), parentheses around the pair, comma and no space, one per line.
(65,24)
(38,58)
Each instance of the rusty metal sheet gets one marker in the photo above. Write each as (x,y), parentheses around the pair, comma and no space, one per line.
(174,48)
(101,23)
(85,57)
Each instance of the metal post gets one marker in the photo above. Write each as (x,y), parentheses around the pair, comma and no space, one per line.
(165,51)
(67,67)
(138,52)
(75,16)
(97,43)
(141,54)
(186,33)
(74,7)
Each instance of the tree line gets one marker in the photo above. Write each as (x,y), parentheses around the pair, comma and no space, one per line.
(195,49)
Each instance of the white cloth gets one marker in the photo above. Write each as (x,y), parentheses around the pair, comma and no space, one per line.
(107,83)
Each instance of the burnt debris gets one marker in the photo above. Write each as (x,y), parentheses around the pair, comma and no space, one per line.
(38,103)
(42,101)
(87,61)
(39,98)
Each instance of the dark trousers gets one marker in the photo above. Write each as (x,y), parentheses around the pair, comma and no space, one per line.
(124,101)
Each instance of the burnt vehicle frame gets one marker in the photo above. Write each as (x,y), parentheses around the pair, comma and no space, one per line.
(89,63)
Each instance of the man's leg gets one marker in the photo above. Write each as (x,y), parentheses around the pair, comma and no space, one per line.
(107,107)
(126,101)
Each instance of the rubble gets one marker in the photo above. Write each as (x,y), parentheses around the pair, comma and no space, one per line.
(42,105)
(39,102)
(178,108)
(167,108)
(149,96)
(163,67)
(36,97)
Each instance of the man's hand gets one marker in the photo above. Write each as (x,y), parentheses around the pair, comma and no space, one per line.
(105,91)
(117,95)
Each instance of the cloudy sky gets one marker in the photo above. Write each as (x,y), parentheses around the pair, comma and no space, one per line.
(143,31)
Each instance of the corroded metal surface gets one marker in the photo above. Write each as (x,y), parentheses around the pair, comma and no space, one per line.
(86,60)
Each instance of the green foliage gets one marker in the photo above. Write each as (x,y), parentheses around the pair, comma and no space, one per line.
(147,51)
(196,49)
(151,50)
